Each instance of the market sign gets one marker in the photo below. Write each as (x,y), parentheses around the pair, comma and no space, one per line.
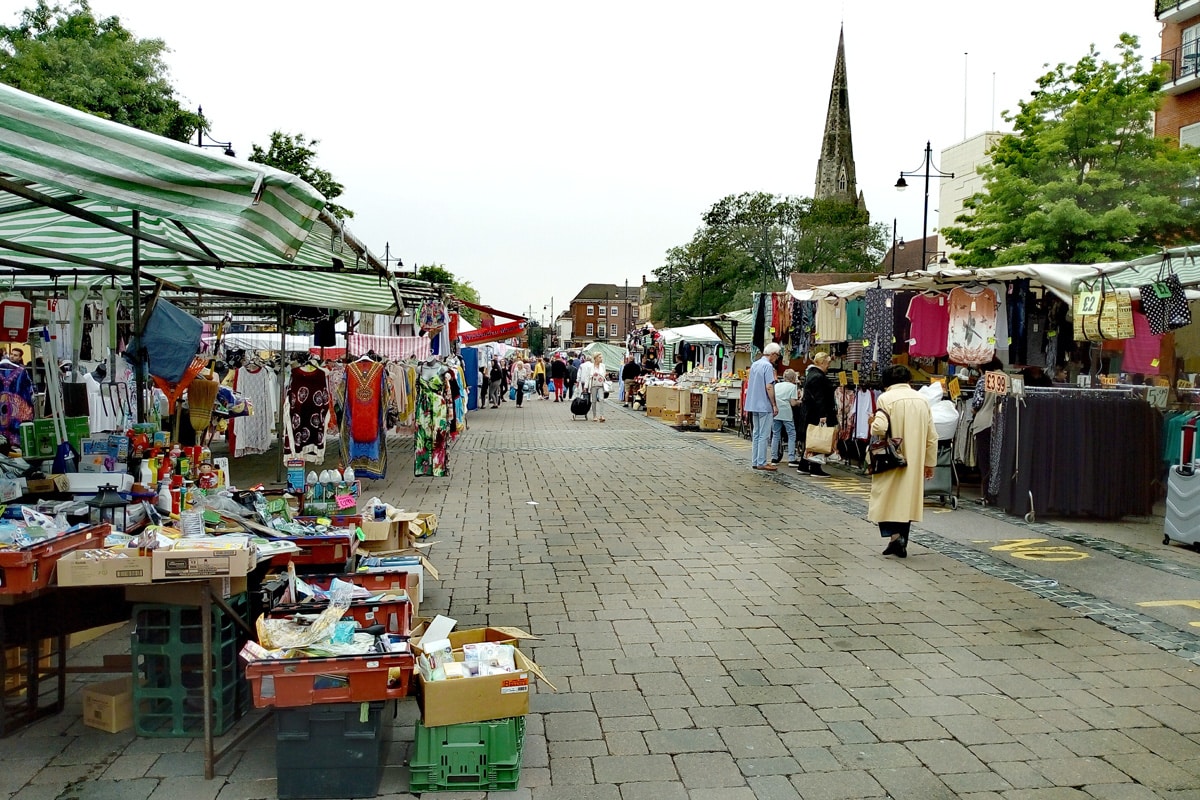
(493,334)
(995,383)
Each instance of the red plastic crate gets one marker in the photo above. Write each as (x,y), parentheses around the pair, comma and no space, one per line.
(332,550)
(292,682)
(30,568)
(395,615)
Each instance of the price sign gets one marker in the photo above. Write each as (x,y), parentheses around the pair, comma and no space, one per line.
(1087,303)
(854,376)
(955,389)
(995,383)
(1108,380)
(842,379)
(1156,396)
(345,501)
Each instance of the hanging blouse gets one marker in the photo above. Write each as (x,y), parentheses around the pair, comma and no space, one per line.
(252,434)
(16,401)
(1143,350)
(854,319)
(306,413)
(877,333)
(929,316)
(831,320)
(972,338)
(363,429)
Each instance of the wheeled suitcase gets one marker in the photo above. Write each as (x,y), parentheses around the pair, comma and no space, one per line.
(580,406)
(1182,523)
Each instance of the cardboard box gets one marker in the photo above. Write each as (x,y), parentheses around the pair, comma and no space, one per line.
(183,593)
(481,698)
(424,526)
(51,483)
(109,705)
(179,564)
(74,569)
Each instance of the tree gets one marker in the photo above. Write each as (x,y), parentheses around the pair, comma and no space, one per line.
(69,56)
(294,153)
(753,242)
(463,290)
(1083,179)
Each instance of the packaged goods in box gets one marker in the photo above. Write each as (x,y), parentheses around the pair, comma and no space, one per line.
(188,564)
(24,569)
(331,751)
(292,682)
(81,568)
(479,698)
(108,706)
(480,756)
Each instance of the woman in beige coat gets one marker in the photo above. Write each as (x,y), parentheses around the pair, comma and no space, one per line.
(898,496)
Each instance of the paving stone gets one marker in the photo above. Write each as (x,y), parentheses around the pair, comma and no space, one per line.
(136,789)
(595,792)
(1152,770)
(620,704)
(756,741)
(575,771)
(684,741)
(773,787)
(913,782)
(1078,771)
(708,770)
(776,765)
(654,790)
(623,769)
(842,785)
(945,757)
(569,725)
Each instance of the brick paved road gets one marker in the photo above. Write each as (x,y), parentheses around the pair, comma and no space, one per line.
(721,633)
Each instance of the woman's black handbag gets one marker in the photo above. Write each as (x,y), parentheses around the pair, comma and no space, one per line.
(883,452)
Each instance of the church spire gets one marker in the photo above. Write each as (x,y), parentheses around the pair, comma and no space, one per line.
(835,167)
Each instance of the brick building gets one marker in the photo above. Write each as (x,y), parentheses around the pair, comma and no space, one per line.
(1179,116)
(603,312)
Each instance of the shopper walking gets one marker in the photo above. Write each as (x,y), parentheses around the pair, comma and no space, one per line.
(820,408)
(558,374)
(572,377)
(485,380)
(496,383)
(539,378)
(629,376)
(591,380)
(520,374)
(898,495)
(786,399)
(761,405)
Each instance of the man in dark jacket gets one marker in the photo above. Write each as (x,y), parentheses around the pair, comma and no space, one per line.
(629,376)
(558,372)
(819,409)
(572,376)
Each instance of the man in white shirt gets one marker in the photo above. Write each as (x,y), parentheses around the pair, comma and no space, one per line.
(761,405)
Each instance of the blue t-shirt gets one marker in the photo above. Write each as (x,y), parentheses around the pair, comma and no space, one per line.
(762,375)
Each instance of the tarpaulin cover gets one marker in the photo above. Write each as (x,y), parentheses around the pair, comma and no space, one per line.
(171,338)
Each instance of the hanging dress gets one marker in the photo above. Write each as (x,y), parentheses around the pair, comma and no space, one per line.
(252,434)
(363,432)
(878,324)
(433,425)
(306,413)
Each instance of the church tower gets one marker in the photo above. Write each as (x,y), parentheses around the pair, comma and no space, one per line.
(835,167)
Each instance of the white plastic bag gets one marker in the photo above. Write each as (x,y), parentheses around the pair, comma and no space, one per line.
(945,419)
(932,393)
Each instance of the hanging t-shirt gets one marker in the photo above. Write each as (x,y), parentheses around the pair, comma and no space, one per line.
(972,337)
(1143,350)
(831,320)
(1002,334)
(929,317)
(854,319)
(877,333)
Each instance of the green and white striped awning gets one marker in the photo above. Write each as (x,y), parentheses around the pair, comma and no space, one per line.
(204,223)
(80,154)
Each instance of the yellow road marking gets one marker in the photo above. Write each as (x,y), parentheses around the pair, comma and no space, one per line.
(1026,549)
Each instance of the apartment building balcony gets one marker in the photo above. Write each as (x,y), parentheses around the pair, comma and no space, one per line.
(1176,11)
(1184,61)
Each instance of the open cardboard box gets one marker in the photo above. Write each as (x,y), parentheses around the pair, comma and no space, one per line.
(75,569)
(481,698)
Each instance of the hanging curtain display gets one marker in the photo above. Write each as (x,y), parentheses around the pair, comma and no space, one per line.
(364,430)
(306,411)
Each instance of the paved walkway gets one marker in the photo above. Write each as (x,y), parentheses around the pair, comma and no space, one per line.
(717,632)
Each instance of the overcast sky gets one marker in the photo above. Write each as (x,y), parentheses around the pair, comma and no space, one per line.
(534,147)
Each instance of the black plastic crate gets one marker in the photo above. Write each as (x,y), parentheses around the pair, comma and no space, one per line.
(331,750)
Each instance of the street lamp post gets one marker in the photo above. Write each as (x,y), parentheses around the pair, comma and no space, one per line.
(200,134)
(928,171)
(895,246)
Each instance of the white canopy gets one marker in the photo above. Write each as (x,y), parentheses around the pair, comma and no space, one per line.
(696,334)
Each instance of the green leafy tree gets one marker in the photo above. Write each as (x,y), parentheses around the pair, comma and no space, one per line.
(753,242)
(463,290)
(296,154)
(1083,179)
(69,56)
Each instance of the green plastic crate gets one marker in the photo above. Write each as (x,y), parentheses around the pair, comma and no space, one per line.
(471,755)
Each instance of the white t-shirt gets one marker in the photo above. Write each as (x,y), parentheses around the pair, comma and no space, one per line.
(784,393)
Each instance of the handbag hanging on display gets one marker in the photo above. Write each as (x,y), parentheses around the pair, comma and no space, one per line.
(820,439)
(1100,312)
(883,452)
(1164,302)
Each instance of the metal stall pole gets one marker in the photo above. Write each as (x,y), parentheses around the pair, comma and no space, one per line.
(282,467)
(136,274)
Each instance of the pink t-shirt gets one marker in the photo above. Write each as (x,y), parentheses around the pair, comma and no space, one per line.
(930,321)
(1143,349)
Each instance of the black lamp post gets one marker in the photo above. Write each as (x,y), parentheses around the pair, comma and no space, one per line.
(200,135)
(895,246)
(928,170)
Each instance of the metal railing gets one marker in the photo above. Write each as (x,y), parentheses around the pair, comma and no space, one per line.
(1183,60)
(1161,6)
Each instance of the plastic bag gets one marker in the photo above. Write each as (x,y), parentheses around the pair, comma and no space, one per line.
(283,634)
(945,419)
(932,393)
